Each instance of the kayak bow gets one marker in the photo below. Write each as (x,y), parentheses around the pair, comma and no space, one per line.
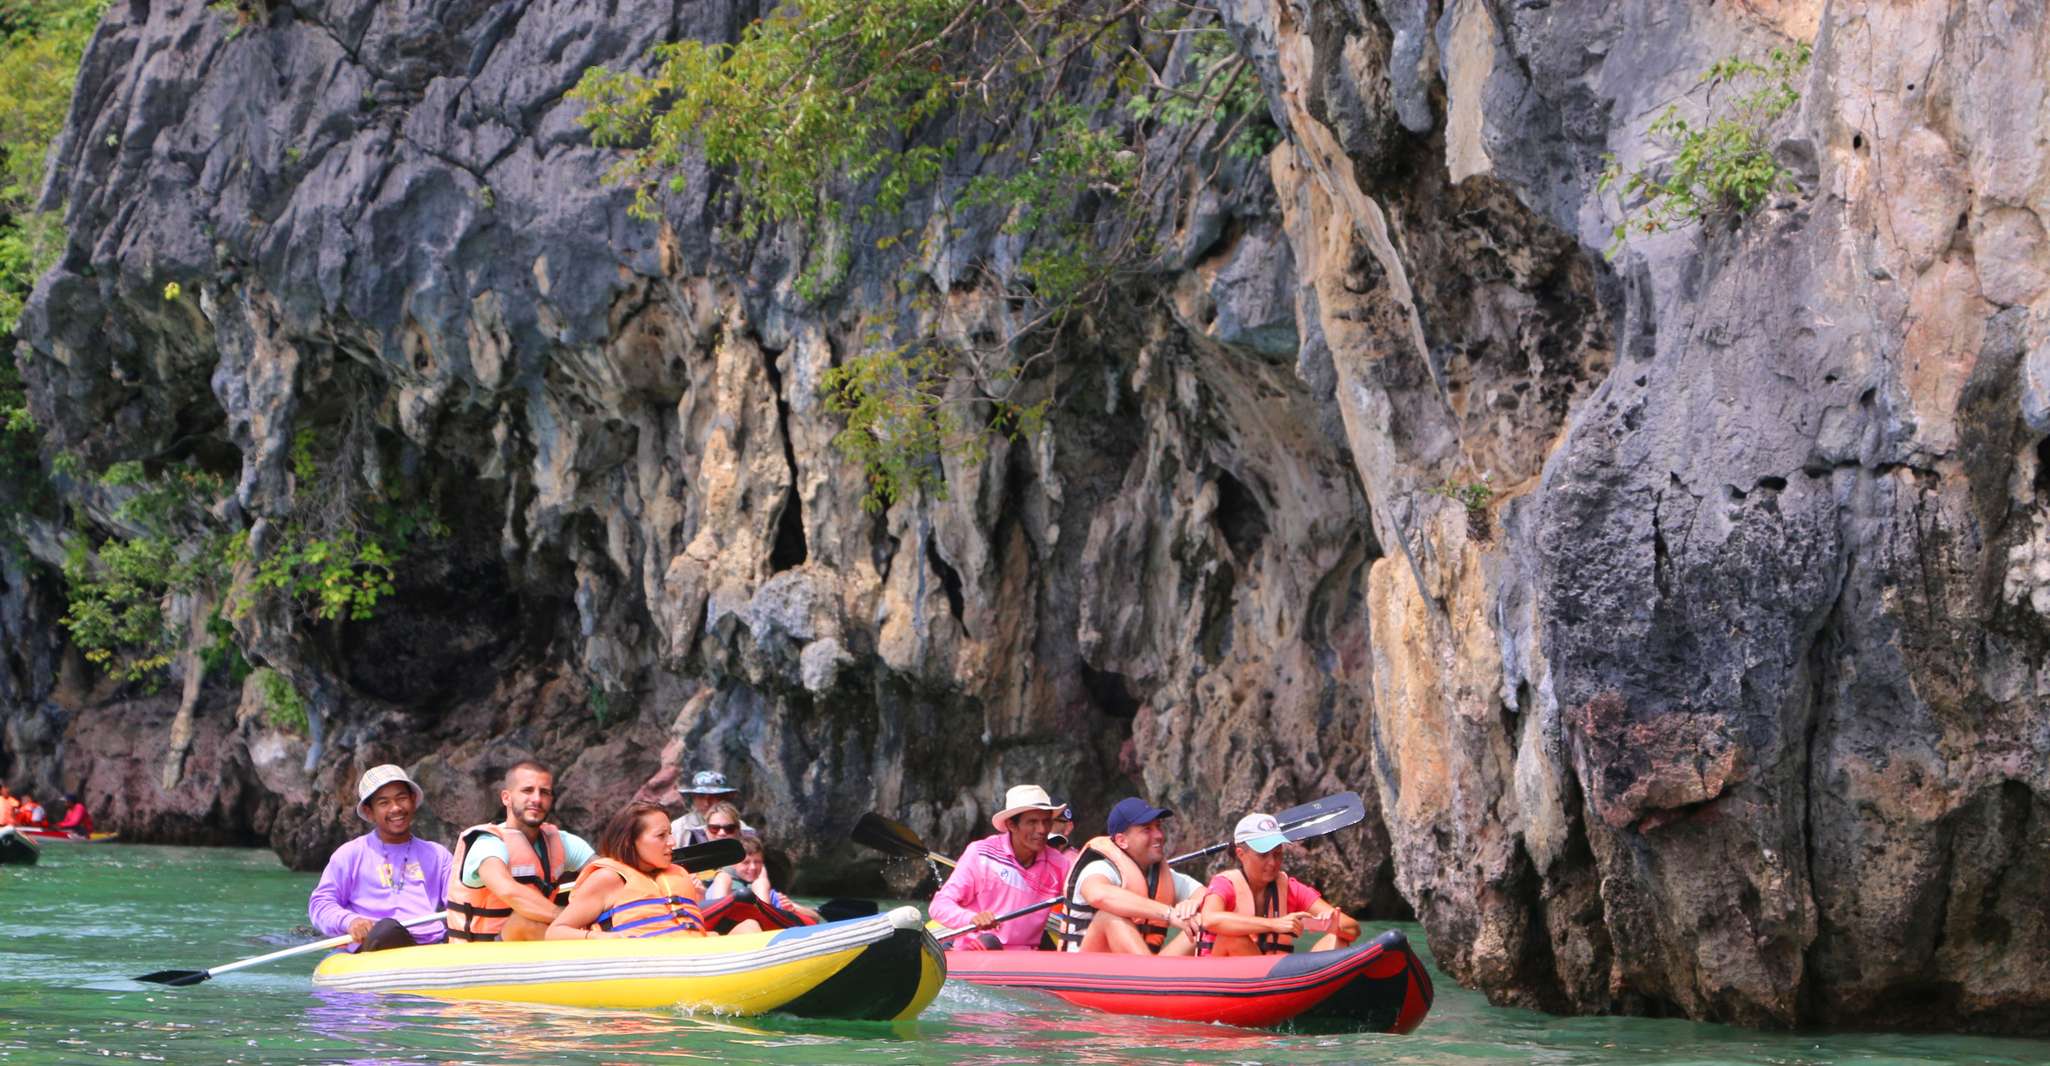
(17,848)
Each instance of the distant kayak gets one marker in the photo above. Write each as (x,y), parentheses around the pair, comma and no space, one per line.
(64,837)
(16,849)
(1379,985)
(884,968)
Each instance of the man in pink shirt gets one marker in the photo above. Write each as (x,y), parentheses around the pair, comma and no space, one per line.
(1005,872)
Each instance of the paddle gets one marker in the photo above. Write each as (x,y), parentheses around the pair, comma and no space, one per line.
(894,837)
(1313,819)
(710,855)
(181,978)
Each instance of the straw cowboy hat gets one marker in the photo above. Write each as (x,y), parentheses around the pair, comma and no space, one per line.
(1020,799)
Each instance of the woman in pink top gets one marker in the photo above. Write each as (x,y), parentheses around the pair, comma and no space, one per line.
(1006,872)
(1259,910)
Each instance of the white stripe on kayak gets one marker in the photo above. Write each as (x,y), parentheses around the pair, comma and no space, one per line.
(586,971)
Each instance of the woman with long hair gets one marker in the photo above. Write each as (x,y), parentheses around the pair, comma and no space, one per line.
(632,889)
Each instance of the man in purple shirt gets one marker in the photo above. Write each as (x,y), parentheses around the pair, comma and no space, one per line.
(386,876)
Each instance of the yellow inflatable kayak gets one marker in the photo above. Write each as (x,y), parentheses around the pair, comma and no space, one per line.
(881,968)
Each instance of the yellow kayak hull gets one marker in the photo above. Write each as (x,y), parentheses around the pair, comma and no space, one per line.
(883,968)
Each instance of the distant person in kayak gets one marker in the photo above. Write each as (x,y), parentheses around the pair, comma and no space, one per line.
(752,873)
(633,889)
(77,820)
(385,874)
(1259,910)
(1062,834)
(1005,872)
(511,878)
(707,789)
(31,813)
(1122,897)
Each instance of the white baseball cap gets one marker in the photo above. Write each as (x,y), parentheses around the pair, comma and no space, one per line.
(1259,832)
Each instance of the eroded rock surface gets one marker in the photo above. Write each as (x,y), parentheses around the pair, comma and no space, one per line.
(1727,700)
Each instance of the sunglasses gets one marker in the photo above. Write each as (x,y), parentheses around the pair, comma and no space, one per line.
(722,827)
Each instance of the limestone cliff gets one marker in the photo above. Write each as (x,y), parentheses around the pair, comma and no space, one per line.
(1728,701)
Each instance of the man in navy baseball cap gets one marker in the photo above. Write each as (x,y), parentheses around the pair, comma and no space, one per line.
(1121,895)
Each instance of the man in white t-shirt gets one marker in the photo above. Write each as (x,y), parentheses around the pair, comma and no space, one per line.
(509,880)
(1123,898)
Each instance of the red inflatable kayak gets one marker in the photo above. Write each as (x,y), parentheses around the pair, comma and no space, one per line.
(1379,985)
(64,835)
(722,914)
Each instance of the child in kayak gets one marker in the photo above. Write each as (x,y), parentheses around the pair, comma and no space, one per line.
(753,873)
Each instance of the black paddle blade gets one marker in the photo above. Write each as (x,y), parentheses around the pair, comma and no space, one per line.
(709,855)
(1322,816)
(176,978)
(839,910)
(882,834)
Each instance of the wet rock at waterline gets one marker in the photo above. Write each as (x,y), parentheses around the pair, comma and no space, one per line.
(1725,699)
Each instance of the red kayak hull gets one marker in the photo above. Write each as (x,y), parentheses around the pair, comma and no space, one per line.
(722,914)
(1380,985)
(63,835)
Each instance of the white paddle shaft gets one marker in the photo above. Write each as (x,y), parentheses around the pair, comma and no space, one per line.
(318,945)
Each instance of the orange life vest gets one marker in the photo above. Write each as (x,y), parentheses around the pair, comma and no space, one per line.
(478,913)
(1269,905)
(1159,882)
(666,903)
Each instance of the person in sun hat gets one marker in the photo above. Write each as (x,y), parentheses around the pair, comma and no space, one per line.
(1007,871)
(1122,897)
(707,789)
(384,875)
(1259,910)
(1061,837)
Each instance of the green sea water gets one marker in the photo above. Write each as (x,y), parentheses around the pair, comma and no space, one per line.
(77,928)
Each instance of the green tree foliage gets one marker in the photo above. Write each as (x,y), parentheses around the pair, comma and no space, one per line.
(1719,165)
(340,544)
(826,103)
(41,42)
(332,558)
(119,589)
(283,707)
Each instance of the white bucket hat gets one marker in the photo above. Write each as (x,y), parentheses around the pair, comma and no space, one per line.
(1018,800)
(708,783)
(377,777)
(1259,832)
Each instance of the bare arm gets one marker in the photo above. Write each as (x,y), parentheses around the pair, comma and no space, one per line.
(585,905)
(525,900)
(1343,926)
(1224,922)
(1097,891)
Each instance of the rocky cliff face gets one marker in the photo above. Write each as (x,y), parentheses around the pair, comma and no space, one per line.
(1729,702)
